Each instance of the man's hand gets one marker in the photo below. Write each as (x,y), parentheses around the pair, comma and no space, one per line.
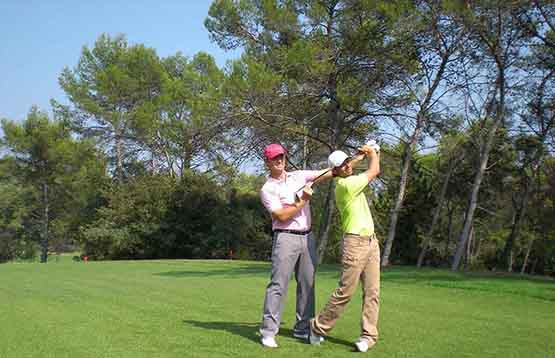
(367,149)
(301,199)
(307,192)
(374,145)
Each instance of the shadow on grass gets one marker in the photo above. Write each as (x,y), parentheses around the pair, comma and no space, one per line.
(427,273)
(243,329)
(250,330)
(223,272)
(235,271)
(512,284)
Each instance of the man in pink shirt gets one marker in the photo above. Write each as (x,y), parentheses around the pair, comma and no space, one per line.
(286,196)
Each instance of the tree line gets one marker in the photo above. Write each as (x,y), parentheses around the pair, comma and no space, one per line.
(142,161)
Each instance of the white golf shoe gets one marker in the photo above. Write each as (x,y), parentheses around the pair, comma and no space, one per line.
(364,344)
(269,342)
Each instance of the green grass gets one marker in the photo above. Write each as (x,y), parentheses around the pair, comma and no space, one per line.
(213,308)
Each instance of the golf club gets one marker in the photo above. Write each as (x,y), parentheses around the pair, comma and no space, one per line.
(371,143)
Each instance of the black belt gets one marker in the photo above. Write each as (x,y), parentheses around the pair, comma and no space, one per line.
(294,232)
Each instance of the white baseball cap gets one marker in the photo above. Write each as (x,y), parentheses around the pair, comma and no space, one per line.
(337,158)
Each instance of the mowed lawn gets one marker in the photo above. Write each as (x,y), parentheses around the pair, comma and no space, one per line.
(212,309)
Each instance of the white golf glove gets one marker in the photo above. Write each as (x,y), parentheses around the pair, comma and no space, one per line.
(372,143)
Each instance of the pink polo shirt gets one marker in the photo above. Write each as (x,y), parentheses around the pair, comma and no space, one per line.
(280,193)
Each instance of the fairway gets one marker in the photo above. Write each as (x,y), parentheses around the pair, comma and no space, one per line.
(213,308)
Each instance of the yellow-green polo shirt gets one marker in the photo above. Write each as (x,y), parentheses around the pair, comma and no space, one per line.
(352,205)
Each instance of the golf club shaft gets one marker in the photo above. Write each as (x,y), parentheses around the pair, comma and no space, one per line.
(322,174)
(327,170)
(313,180)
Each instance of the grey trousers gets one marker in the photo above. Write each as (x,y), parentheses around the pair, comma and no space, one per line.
(290,253)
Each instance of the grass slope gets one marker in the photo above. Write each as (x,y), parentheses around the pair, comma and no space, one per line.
(213,308)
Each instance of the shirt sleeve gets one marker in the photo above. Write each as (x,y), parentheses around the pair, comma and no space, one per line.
(270,200)
(308,175)
(354,184)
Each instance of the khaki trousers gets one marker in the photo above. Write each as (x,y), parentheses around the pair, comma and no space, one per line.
(361,262)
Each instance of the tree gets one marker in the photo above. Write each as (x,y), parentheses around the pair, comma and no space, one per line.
(59,172)
(537,118)
(315,75)
(498,37)
(189,130)
(439,44)
(13,212)
(112,86)
(156,216)
(453,155)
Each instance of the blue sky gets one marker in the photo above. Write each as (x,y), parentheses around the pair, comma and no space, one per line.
(39,38)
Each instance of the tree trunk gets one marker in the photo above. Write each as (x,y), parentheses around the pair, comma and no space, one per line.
(186,155)
(520,212)
(485,150)
(45,219)
(526,257)
(437,212)
(534,264)
(119,157)
(468,254)
(450,211)
(337,123)
(394,214)
(477,246)
(325,224)
(152,163)
(170,162)
(420,118)
(473,202)
(160,146)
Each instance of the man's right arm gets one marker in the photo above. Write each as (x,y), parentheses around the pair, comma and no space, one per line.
(286,213)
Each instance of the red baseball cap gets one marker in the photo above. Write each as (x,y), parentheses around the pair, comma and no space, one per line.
(273,150)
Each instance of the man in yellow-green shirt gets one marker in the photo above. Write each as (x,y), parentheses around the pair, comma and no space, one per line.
(361,252)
